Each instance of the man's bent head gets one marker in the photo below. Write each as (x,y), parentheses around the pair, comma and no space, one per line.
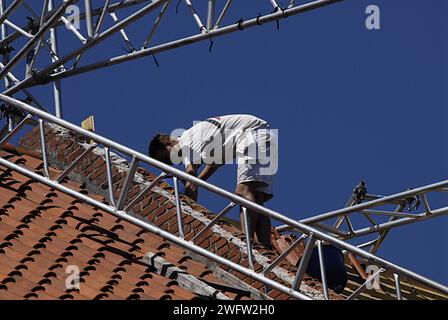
(161,146)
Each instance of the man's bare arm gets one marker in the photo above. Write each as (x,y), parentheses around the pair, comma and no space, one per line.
(191,190)
(192,169)
(208,171)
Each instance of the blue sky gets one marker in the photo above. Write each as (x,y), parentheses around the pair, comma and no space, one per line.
(350,104)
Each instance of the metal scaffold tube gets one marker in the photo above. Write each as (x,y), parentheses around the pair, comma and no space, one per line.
(57,84)
(12,7)
(16,59)
(193,39)
(215,32)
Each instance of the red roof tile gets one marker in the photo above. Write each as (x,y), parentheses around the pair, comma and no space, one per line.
(43,231)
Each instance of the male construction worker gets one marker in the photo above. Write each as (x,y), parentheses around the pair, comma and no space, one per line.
(221,140)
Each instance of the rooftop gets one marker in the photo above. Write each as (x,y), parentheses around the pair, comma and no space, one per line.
(47,235)
(45,232)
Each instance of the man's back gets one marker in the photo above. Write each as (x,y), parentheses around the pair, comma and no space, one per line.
(215,139)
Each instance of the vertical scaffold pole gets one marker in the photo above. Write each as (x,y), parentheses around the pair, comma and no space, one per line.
(57,84)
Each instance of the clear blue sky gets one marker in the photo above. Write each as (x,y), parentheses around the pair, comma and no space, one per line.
(350,105)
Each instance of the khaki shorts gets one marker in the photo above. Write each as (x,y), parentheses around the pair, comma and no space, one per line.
(257,159)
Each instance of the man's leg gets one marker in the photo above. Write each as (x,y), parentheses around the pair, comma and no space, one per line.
(261,178)
(263,226)
(248,191)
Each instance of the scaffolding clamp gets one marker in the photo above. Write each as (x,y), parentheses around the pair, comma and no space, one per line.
(360,192)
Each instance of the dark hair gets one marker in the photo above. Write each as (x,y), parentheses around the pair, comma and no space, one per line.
(158,144)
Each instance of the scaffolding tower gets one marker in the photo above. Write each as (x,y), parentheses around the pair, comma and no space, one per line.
(29,47)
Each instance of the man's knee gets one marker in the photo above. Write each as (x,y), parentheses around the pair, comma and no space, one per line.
(246,190)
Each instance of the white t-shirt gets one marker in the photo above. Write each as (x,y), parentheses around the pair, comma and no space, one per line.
(217,140)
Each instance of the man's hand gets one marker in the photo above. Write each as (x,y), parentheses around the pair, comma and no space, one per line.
(191,191)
